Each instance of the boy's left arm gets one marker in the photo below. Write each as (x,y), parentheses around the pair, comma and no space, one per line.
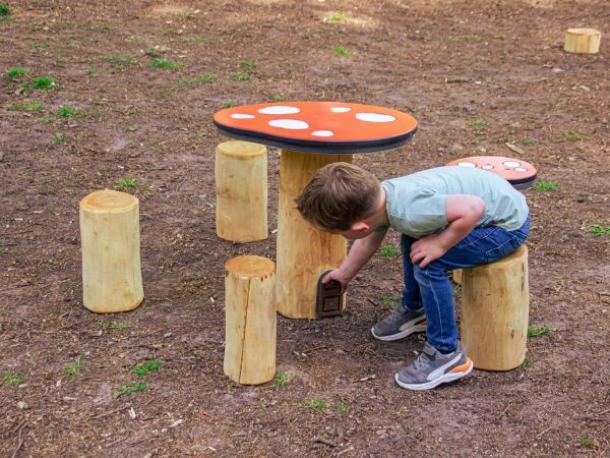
(463,213)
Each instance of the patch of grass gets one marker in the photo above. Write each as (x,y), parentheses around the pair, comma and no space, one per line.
(277,97)
(315,404)
(343,408)
(526,364)
(243,76)
(545,186)
(145,368)
(3,251)
(12,378)
(600,231)
(249,64)
(74,367)
(389,300)
(127,389)
(116,325)
(228,104)
(533,331)
(197,39)
(207,78)
(44,83)
(90,71)
(574,136)
(16,72)
(527,142)
(389,251)
(59,138)
(26,106)
(127,183)
(451,39)
(585,441)
(119,62)
(281,379)
(48,119)
(66,111)
(5,11)
(340,51)
(471,38)
(165,64)
(335,17)
(479,124)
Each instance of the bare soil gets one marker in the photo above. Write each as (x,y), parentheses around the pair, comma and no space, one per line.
(449,63)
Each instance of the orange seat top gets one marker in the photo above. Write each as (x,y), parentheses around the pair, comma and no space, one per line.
(514,170)
(326,127)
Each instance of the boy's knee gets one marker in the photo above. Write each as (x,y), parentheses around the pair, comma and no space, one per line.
(434,270)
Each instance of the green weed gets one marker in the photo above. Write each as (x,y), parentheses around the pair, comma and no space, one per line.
(12,378)
(389,251)
(574,136)
(48,119)
(197,39)
(244,76)
(336,17)
(127,389)
(249,64)
(228,104)
(277,97)
(3,251)
(527,142)
(207,78)
(600,231)
(451,39)
(343,408)
(526,364)
(74,367)
(545,186)
(471,38)
(44,83)
(5,11)
(127,183)
(149,366)
(538,331)
(340,51)
(165,64)
(315,404)
(389,300)
(59,138)
(16,72)
(119,62)
(26,106)
(66,111)
(585,441)
(90,71)
(116,326)
(281,379)
(479,124)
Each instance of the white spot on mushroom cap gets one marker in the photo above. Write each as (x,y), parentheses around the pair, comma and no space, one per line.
(340,109)
(293,124)
(467,164)
(375,117)
(520,169)
(487,167)
(242,116)
(322,133)
(278,110)
(511,164)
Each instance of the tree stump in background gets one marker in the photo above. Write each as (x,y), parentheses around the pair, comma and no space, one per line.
(582,41)
(250,331)
(495,307)
(110,243)
(241,191)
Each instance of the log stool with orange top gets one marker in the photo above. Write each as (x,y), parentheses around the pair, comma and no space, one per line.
(311,135)
(495,296)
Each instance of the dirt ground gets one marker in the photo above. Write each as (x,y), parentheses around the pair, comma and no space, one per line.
(135,86)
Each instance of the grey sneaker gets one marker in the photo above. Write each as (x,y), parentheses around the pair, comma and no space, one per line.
(431,368)
(400,324)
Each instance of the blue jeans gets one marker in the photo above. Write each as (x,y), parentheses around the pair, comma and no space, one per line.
(431,288)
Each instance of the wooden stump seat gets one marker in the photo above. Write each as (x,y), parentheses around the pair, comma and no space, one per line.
(110,243)
(241,191)
(495,308)
(250,331)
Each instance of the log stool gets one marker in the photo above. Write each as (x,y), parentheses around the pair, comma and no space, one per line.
(582,41)
(110,243)
(250,331)
(241,191)
(495,307)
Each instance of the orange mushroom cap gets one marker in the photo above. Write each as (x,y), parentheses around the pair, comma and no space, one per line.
(325,127)
(515,171)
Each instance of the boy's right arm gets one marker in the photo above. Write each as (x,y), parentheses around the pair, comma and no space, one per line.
(362,250)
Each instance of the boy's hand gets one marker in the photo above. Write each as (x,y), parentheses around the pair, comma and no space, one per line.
(426,250)
(337,275)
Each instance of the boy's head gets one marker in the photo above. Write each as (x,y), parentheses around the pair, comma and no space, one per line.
(338,195)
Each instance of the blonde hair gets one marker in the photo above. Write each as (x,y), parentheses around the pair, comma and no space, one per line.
(338,195)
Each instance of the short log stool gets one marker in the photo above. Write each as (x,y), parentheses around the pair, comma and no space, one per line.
(250,331)
(495,308)
(110,243)
(241,191)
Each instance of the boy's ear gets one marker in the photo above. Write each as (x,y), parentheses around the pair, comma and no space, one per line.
(360,226)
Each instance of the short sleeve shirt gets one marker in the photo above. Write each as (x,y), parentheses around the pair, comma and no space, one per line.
(415,204)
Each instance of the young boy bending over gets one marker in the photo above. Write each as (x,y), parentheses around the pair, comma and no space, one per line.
(449,217)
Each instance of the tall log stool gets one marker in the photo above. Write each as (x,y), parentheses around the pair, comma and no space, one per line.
(241,191)
(110,243)
(250,331)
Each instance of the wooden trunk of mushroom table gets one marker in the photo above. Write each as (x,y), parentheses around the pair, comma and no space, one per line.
(303,252)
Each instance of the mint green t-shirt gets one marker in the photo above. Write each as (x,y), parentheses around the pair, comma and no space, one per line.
(415,204)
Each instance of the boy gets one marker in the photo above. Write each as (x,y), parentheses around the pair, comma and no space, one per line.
(450,218)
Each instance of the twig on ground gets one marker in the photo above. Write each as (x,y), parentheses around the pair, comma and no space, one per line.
(321,440)
(21,440)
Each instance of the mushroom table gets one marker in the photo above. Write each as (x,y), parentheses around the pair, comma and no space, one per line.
(311,135)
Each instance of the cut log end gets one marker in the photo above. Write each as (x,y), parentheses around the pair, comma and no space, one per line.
(241,150)
(250,266)
(108,200)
